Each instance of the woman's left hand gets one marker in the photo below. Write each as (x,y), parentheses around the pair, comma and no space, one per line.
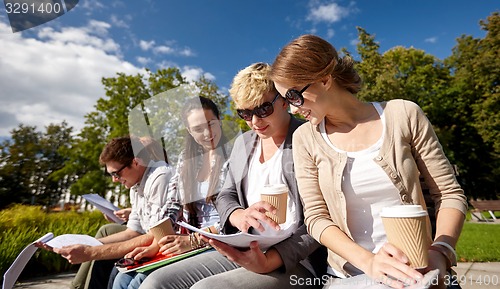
(252,259)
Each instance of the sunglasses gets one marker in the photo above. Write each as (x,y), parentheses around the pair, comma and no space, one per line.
(262,111)
(295,97)
(127,262)
(116,174)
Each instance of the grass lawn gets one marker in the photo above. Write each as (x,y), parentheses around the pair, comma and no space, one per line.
(479,242)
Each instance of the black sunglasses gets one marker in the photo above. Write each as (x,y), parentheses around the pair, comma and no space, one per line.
(295,97)
(116,174)
(262,111)
(127,262)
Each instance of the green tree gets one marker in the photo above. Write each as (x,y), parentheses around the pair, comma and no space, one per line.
(17,165)
(133,104)
(28,162)
(475,64)
(445,94)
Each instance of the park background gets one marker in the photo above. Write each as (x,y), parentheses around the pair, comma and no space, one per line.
(45,167)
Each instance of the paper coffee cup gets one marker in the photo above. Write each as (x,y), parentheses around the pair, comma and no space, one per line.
(161,229)
(277,196)
(406,228)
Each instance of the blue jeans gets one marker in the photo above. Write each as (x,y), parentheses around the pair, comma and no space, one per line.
(129,280)
(212,270)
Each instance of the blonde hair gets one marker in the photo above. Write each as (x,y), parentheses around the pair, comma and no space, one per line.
(309,58)
(250,85)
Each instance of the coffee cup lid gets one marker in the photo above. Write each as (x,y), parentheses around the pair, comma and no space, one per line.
(274,189)
(403,211)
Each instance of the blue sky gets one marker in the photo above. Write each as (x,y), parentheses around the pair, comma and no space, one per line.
(53,72)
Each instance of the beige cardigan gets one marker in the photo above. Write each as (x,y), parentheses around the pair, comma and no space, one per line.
(410,148)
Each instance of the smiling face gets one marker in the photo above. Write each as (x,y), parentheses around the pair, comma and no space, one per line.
(273,124)
(204,127)
(126,175)
(312,109)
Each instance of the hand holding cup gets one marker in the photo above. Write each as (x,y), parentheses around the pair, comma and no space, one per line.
(277,196)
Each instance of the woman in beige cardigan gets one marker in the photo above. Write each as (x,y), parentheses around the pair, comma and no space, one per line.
(353,158)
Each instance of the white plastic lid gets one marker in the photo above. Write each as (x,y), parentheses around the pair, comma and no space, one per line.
(274,189)
(403,211)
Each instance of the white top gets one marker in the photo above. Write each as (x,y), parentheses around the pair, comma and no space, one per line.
(269,172)
(206,213)
(367,190)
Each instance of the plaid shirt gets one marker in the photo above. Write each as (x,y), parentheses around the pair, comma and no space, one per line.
(206,214)
(151,200)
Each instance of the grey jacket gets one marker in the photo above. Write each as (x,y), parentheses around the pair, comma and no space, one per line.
(300,245)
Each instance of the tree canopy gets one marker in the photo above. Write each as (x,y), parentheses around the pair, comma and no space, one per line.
(460,95)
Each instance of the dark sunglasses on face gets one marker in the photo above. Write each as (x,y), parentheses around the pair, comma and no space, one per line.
(262,111)
(295,97)
(116,174)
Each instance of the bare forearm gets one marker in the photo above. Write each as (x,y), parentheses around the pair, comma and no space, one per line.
(119,237)
(337,241)
(119,249)
(449,223)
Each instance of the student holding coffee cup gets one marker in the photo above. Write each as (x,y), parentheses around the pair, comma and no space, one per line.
(260,157)
(354,158)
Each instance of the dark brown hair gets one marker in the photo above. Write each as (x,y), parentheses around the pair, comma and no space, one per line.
(117,150)
(192,157)
(124,149)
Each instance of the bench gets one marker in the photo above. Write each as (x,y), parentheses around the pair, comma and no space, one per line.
(485,205)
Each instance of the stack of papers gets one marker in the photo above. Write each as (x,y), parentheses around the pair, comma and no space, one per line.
(243,240)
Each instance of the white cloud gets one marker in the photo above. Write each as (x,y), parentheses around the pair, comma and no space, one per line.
(146,45)
(81,36)
(168,48)
(56,77)
(187,52)
(431,40)
(144,60)
(89,6)
(163,49)
(328,12)
(191,73)
(119,22)
(330,33)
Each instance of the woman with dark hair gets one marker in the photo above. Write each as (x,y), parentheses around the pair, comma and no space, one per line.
(203,158)
(200,173)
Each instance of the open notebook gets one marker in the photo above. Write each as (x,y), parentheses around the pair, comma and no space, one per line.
(161,260)
(11,275)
